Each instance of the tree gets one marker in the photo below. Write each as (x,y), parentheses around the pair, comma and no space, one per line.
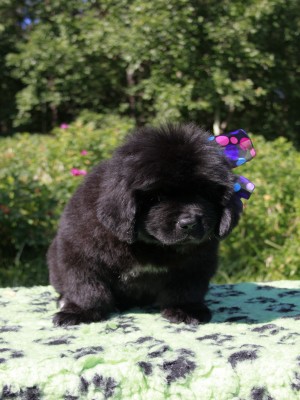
(62,71)
(11,32)
(223,64)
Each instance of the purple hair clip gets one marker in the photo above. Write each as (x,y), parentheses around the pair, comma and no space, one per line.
(238,149)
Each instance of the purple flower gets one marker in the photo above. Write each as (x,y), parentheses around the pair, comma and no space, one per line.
(83,152)
(64,126)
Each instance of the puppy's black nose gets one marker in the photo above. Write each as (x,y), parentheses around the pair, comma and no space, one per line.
(187,223)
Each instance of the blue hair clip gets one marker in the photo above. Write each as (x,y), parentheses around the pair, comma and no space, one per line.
(238,149)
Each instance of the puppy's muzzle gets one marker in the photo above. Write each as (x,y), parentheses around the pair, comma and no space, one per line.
(187,223)
(192,225)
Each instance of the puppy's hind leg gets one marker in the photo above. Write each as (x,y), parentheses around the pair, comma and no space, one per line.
(89,303)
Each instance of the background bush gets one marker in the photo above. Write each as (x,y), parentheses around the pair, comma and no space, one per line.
(36,182)
(265,245)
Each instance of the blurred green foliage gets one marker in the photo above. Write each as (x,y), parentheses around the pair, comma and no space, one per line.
(222,64)
(265,245)
(36,182)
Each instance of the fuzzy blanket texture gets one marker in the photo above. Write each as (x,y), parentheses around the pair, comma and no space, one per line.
(250,350)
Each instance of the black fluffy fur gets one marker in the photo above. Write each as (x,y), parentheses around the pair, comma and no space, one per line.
(164,200)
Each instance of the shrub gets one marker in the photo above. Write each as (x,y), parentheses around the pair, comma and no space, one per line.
(265,245)
(36,182)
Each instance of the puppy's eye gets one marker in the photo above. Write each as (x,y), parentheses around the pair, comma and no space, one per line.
(150,198)
(157,198)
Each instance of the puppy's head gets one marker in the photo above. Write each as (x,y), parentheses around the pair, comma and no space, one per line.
(169,186)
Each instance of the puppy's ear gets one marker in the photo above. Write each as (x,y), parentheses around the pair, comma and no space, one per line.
(116,208)
(230,217)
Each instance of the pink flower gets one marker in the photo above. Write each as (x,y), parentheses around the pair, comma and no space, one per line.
(78,172)
(83,152)
(64,126)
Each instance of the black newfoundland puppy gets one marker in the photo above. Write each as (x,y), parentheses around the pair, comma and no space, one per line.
(143,228)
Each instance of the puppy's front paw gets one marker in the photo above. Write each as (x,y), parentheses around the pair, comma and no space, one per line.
(193,314)
(73,315)
(64,318)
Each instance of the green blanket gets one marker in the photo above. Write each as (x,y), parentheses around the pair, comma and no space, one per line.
(250,350)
